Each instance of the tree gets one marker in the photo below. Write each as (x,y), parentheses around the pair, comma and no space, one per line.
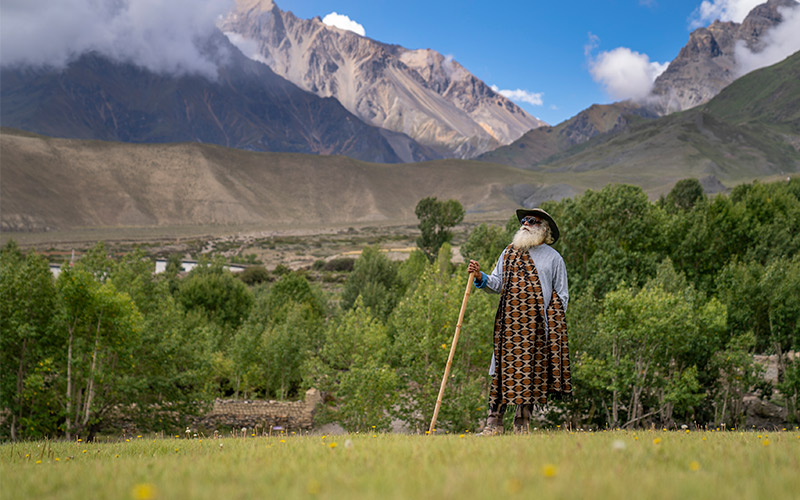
(29,316)
(435,220)
(485,243)
(282,332)
(352,366)
(658,338)
(103,330)
(172,364)
(610,236)
(422,328)
(684,195)
(215,292)
(376,280)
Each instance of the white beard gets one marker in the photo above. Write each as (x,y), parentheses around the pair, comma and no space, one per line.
(529,237)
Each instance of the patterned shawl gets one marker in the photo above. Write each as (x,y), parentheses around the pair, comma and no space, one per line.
(531,358)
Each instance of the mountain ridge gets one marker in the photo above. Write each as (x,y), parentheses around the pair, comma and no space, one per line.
(409,91)
(751,128)
(248,107)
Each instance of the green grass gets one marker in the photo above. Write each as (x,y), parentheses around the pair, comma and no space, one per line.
(544,464)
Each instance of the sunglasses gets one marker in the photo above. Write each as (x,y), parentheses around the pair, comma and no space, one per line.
(531,220)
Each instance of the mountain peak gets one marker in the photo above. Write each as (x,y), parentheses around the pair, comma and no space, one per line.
(421,93)
(255,5)
(708,62)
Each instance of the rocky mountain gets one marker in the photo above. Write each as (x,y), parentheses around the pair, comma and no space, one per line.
(750,129)
(708,63)
(248,106)
(420,93)
(705,66)
(544,142)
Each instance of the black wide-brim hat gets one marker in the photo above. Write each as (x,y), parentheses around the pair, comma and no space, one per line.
(538,212)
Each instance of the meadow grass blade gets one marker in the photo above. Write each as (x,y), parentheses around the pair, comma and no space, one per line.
(544,464)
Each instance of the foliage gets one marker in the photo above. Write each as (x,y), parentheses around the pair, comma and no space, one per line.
(790,388)
(684,195)
(422,328)
(102,329)
(29,344)
(485,243)
(435,220)
(254,275)
(352,367)
(669,303)
(376,280)
(653,342)
(610,237)
(216,293)
(282,332)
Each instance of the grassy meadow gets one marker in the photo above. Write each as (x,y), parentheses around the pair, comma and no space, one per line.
(543,464)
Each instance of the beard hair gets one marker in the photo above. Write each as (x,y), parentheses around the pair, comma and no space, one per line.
(527,238)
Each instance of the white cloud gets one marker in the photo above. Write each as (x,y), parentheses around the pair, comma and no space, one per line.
(520,95)
(343,22)
(161,36)
(592,43)
(625,74)
(780,42)
(723,10)
(246,46)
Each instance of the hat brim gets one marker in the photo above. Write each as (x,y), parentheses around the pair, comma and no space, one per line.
(538,212)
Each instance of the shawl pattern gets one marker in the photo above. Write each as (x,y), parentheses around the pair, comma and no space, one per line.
(531,356)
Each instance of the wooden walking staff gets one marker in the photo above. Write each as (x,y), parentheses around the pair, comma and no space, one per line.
(452,353)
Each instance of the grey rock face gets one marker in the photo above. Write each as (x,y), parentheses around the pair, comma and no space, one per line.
(420,93)
(707,63)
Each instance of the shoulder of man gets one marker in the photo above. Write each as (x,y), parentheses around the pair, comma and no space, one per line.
(546,249)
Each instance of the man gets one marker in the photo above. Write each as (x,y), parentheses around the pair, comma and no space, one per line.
(531,356)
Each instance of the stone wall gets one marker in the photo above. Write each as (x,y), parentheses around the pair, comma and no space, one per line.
(266,415)
(766,414)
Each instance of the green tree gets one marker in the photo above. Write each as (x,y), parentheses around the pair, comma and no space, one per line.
(282,332)
(169,377)
(685,194)
(611,236)
(435,220)
(352,366)
(103,333)
(376,280)
(789,387)
(422,328)
(215,292)
(28,343)
(485,243)
(737,373)
(657,340)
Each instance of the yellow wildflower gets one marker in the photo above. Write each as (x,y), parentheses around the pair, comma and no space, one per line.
(143,491)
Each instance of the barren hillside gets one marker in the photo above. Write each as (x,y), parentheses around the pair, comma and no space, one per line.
(50,183)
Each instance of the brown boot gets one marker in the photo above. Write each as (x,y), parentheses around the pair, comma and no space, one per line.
(494,422)
(522,419)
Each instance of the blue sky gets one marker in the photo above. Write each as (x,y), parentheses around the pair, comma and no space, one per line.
(552,58)
(536,46)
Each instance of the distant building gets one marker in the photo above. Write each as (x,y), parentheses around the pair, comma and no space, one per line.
(188,265)
(161,266)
